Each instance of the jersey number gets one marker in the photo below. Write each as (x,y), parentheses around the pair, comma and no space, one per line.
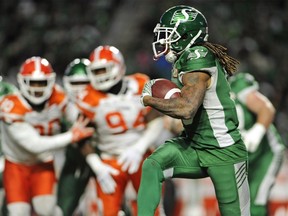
(49,128)
(115,120)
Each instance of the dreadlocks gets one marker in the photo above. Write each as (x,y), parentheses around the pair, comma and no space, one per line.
(229,63)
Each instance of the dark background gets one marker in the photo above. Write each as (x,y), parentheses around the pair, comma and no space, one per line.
(254,31)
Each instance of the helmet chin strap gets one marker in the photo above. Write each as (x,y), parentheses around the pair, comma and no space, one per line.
(191,42)
(171,56)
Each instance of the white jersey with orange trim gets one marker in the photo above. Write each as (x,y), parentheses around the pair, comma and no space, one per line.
(119,119)
(21,122)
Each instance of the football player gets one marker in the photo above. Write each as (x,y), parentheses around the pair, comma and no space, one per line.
(265,146)
(211,145)
(75,77)
(30,132)
(5,89)
(124,128)
(75,173)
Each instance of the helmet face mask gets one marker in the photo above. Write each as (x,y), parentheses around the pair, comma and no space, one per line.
(73,87)
(36,88)
(180,27)
(164,37)
(107,67)
(36,80)
(75,78)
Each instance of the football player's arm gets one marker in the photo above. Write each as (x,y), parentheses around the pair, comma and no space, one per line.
(71,113)
(192,95)
(261,106)
(173,125)
(29,138)
(104,172)
(264,110)
(131,158)
(150,135)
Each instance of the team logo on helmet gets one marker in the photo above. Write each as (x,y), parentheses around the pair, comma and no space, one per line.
(183,15)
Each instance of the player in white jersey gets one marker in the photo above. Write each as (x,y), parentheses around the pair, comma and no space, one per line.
(112,102)
(5,89)
(31,126)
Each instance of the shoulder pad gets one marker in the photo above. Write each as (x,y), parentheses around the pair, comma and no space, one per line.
(141,79)
(241,81)
(7,88)
(13,108)
(58,96)
(87,102)
(196,58)
(197,52)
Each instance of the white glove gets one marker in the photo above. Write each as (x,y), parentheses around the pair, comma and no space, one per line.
(253,137)
(130,159)
(103,173)
(147,91)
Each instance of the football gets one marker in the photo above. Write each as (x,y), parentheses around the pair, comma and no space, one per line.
(164,88)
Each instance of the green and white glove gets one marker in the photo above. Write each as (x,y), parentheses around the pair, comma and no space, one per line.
(147,91)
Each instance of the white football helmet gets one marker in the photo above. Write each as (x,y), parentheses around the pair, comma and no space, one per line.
(36,79)
(107,67)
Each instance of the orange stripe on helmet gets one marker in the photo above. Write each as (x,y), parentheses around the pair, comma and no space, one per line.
(103,52)
(34,64)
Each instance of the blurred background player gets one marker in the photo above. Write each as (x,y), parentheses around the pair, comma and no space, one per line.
(5,89)
(30,132)
(265,146)
(75,77)
(124,128)
(76,172)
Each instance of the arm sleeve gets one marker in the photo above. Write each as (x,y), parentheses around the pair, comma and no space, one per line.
(151,134)
(242,85)
(28,138)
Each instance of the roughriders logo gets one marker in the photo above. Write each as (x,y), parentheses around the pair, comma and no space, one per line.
(184,14)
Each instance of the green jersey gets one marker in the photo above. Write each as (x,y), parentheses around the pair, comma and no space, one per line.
(214,127)
(6,88)
(241,85)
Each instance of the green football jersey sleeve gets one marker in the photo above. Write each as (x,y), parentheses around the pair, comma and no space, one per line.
(242,84)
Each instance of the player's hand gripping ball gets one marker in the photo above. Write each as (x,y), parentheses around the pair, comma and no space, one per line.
(164,88)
